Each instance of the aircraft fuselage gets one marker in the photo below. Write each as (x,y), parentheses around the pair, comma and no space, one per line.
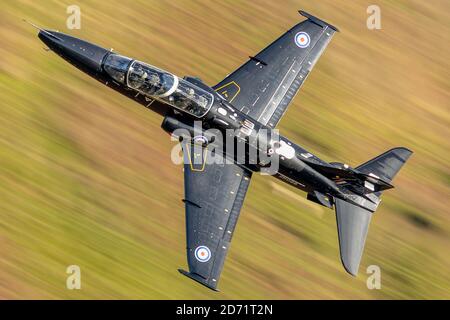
(184,101)
(228,131)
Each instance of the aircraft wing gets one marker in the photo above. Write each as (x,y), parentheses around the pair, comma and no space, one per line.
(214,194)
(264,86)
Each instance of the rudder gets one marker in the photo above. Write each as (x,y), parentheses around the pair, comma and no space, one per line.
(353,225)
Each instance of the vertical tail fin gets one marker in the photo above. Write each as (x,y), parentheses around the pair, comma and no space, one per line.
(353,225)
(353,220)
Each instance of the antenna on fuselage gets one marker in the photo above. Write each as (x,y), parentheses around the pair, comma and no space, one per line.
(42,30)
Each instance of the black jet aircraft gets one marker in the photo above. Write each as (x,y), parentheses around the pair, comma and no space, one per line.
(251,102)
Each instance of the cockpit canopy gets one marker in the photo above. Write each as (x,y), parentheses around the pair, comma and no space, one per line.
(150,80)
(116,66)
(159,85)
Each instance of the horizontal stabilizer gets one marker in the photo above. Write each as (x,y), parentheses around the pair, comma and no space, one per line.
(386,165)
(353,224)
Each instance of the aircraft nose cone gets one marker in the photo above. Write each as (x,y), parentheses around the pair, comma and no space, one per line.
(82,54)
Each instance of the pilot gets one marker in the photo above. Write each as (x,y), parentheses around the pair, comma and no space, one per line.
(154,83)
(202,101)
(154,79)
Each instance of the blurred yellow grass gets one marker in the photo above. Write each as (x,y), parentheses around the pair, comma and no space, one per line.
(86,177)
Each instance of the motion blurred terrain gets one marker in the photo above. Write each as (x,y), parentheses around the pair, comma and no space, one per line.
(86,177)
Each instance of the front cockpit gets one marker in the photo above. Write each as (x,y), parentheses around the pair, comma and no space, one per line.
(159,85)
(116,66)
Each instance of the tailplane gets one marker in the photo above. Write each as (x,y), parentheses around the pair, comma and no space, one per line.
(385,166)
(353,215)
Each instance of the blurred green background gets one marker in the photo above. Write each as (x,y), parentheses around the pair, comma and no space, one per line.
(86,176)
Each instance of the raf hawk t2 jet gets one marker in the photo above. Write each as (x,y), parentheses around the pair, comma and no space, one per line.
(249,103)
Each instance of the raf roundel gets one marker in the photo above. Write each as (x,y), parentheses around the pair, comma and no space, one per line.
(302,39)
(202,254)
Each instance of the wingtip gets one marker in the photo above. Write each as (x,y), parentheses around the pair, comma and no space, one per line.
(405,149)
(316,20)
(198,279)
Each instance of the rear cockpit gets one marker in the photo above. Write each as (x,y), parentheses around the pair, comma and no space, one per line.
(158,84)
(150,80)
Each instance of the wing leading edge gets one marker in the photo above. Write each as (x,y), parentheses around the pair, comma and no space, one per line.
(264,86)
(214,194)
